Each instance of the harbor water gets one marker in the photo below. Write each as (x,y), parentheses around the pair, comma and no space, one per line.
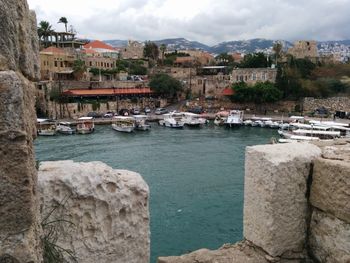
(196,177)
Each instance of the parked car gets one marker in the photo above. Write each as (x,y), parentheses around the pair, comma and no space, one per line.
(135,111)
(109,114)
(124,112)
(160,111)
(94,114)
(147,110)
(197,110)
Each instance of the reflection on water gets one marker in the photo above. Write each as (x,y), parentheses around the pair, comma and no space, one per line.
(195,177)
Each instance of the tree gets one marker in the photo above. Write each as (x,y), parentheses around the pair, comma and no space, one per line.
(277,49)
(79,68)
(256,60)
(151,50)
(261,92)
(163,49)
(64,21)
(166,85)
(44,31)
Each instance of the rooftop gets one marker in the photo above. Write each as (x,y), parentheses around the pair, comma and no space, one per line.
(97,44)
(107,92)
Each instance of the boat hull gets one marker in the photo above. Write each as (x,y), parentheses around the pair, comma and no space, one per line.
(126,129)
(85,131)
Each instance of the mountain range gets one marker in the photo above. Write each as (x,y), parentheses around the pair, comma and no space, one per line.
(241,46)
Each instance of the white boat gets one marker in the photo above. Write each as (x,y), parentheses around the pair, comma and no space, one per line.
(46,127)
(235,118)
(248,122)
(306,132)
(219,121)
(65,128)
(123,124)
(172,120)
(192,119)
(141,123)
(85,125)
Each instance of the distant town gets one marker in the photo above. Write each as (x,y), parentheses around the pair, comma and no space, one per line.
(80,76)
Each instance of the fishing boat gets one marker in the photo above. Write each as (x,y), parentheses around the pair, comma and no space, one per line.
(234,119)
(141,123)
(172,120)
(220,117)
(192,119)
(65,128)
(46,127)
(123,124)
(85,125)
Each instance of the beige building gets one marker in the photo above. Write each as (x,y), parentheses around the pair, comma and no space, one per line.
(304,49)
(134,50)
(56,63)
(253,75)
(201,57)
(209,85)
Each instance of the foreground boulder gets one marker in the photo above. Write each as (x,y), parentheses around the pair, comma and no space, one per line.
(108,210)
(19,209)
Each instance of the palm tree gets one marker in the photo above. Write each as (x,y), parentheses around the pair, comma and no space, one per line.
(64,21)
(162,49)
(44,31)
(277,48)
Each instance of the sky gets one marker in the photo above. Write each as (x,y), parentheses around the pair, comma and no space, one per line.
(206,21)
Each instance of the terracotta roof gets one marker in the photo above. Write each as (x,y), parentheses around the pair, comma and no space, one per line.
(107,92)
(227,92)
(89,51)
(98,44)
(53,50)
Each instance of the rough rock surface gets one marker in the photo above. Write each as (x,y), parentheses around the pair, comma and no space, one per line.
(275,203)
(243,251)
(330,238)
(19,44)
(330,190)
(19,211)
(109,209)
(240,252)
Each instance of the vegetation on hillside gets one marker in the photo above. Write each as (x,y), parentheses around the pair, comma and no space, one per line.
(165,85)
(261,92)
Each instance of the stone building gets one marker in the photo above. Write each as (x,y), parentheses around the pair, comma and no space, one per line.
(304,49)
(134,50)
(56,63)
(253,75)
(209,85)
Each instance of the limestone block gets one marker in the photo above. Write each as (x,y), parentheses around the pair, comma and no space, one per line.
(237,253)
(19,211)
(275,203)
(19,42)
(330,189)
(329,238)
(109,210)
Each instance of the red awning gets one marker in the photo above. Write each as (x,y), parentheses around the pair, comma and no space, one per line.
(108,92)
(227,92)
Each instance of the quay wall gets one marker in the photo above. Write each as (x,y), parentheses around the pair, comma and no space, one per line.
(296,207)
(332,104)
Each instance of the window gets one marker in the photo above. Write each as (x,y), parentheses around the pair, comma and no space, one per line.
(246,77)
(56,64)
(254,76)
(61,64)
(237,78)
(90,63)
(241,78)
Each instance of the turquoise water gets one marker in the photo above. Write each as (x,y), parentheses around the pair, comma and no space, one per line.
(195,178)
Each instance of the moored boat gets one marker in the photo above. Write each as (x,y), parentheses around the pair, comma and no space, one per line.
(234,119)
(193,120)
(46,127)
(85,125)
(65,128)
(123,124)
(141,123)
(172,120)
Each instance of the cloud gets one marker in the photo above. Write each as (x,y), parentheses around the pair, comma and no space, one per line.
(208,21)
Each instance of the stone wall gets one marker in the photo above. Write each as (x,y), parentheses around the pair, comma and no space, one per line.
(332,104)
(107,211)
(19,65)
(296,207)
